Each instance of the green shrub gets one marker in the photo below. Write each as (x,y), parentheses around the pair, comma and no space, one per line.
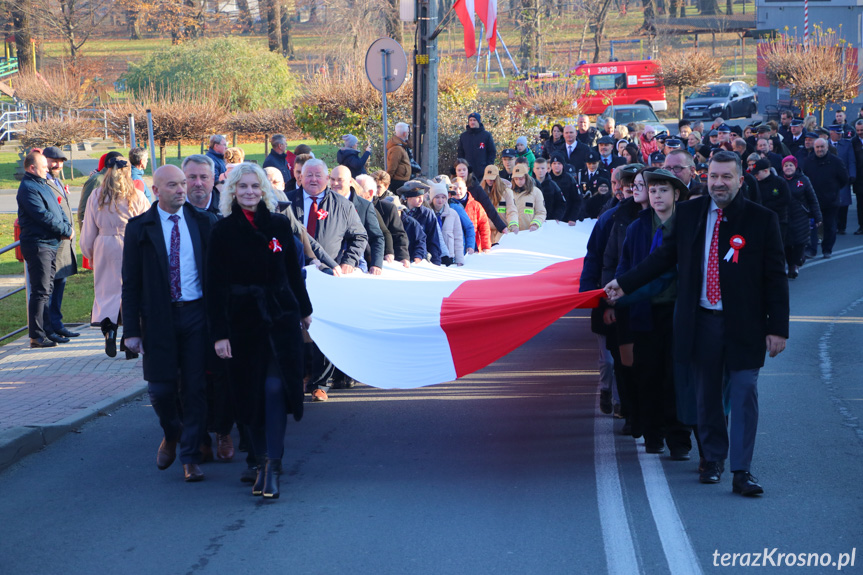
(252,76)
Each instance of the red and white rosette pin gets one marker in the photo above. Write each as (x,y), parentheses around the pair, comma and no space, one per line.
(737,243)
(275,245)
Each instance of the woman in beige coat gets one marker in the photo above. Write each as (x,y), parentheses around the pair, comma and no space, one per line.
(108,210)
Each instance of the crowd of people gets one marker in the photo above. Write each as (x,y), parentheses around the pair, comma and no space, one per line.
(204,268)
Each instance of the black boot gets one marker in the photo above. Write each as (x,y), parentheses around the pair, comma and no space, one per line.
(258,487)
(129,353)
(271,478)
(109,330)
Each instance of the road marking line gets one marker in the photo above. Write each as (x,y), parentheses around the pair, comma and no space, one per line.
(675,541)
(855,252)
(616,533)
(825,319)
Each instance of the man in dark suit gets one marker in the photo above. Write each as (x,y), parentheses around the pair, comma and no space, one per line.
(201,190)
(607,159)
(44,226)
(857,146)
(66,263)
(164,314)
(732,307)
(575,152)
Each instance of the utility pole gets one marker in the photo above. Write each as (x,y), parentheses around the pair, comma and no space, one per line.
(424,128)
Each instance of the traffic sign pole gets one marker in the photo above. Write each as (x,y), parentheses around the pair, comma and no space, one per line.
(384,86)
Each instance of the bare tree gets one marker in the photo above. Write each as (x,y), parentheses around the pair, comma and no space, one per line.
(815,75)
(687,69)
(287,10)
(21,27)
(74,21)
(600,19)
(529,50)
(274,25)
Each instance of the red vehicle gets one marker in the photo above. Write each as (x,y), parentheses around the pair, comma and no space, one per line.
(621,83)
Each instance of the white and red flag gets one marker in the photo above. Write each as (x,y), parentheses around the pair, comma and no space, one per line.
(409,328)
(467,11)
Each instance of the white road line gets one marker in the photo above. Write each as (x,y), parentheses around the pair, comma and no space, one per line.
(616,534)
(842,254)
(675,541)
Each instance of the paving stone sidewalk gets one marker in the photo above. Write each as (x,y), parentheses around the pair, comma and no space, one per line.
(45,393)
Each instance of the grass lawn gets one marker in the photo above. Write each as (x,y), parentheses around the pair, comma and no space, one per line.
(77,299)
(9,163)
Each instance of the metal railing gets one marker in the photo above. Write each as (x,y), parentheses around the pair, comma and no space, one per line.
(8,67)
(12,122)
(3,250)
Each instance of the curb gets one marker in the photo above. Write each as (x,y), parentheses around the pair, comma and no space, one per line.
(17,443)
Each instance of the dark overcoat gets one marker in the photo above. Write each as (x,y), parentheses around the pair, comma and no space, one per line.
(256,297)
(147,311)
(754,290)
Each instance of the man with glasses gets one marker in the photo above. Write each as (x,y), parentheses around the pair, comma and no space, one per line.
(681,164)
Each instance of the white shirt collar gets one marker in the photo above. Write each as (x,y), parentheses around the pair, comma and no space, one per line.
(165,215)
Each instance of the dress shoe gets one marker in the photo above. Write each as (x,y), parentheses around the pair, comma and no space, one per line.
(793,272)
(224,447)
(272,470)
(131,354)
(712,472)
(258,487)
(745,484)
(192,472)
(319,395)
(859,231)
(828,255)
(679,454)
(58,338)
(64,331)
(167,454)
(42,342)
(249,474)
(655,447)
(109,330)
(605,405)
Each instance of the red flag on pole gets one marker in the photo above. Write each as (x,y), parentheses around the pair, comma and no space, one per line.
(466,14)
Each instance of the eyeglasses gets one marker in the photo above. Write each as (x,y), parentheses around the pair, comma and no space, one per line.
(639,187)
(677,169)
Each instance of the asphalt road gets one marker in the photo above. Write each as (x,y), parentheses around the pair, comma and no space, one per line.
(510,470)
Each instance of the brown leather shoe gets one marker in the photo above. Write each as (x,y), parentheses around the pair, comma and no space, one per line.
(192,472)
(319,395)
(224,447)
(167,454)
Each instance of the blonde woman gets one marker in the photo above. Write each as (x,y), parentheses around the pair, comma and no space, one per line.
(256,304)
(109,208)
(501,198)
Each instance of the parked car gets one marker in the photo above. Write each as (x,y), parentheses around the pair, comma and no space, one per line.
(638,113)
(729,100)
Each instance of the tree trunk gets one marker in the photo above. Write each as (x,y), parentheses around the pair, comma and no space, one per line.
(529,34)
(195,28)
(134,24)
(601,19)
(708,7)
(287,33)
(23,40)
(274,26)
(729,10)
(393,23)
(245,17)
(649,13)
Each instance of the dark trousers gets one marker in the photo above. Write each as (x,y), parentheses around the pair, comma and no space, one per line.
(396,184)
(794,255)
(220,416)
(41,265)
(858,191)
(828,215)
(623,378)
(742,389)
(318,367)
(842,218)
(190,387)
(56,303)
(268,438)
(653,375)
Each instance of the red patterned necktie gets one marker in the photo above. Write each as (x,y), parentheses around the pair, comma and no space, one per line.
(174,260)
(713,293)
(312,225)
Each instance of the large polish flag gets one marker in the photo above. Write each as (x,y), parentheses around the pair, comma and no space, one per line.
(409,328)
(467,11)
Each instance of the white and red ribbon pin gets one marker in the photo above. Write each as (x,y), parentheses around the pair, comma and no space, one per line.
(275,245)
(737,243)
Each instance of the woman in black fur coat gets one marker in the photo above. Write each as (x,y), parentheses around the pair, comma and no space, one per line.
(257,302)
